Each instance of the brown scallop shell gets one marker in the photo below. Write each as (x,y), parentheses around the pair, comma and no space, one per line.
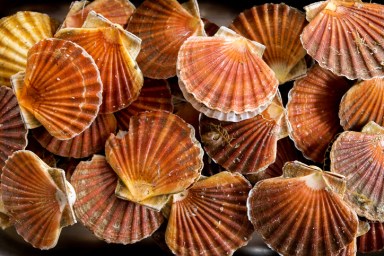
(114,51)
(157,157)
(18,33)
(302,212)
(155,95)
(89,142)
(5,221)
(117,11)
(361,104)
(210,218)
(108,217)
(163,26)
(224,76)
(313,105)
(38,199)
(373,240)
(358,156)
(62,87)
(13,133)
(347,37)
(278,27)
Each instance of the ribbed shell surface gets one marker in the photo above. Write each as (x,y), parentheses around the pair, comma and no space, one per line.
(373,240)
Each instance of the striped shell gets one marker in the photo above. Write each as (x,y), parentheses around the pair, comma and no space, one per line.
(313,105)
(163,26)
(108,217)
(347,37)
(373,240)
(278,27)
(302,212)
(18,33)
(4,218)
(157,157)
(224,76)
(61,89)
(38,199)
(210,218)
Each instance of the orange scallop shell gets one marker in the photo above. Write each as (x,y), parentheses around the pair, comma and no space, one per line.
(62,87)
(347,37)
(313,105)
(302,212)
(373,240)
(278,27)
(157,157)
(163,26)
(210,218)
(18,33)
(108,217)
(38,199)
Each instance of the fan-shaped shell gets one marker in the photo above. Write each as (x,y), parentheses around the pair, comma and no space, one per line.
(358,156)
(4,218)
(278,27)
(157,157)
(89,142)
(313,105)
(347,37)
(62,87)
(302,212)
(114,51)
(210,218)
(108,217)
(362,103)
(38,199)
(163,26)
(155,95)
(13,133)
(224,76)
(373,240)
(18,33)
(117,11)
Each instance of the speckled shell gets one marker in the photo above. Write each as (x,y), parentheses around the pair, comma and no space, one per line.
(347,37)
(373,240)
(349,250)
(155,95)
(114,51)
(278,27)
(38,199)
(108,217)
(89,142)
(13,133)
(157,157)
(302,212)
(210,218)
(163,26)
(224,76)
(18,33)
(313,105)
(358,156)
(62,87)
(117,11)
(361,104)
(4,218)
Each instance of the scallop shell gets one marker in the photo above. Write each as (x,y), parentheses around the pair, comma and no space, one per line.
(361,104)
(304,213)
(13,133)
(358,156)
(108,217)
(373,240)
(163,26)
(313,105)
(278,27)
(117,11)
(62,87)
(210,218)
(347,37)
(18,33)
(349,250)
(89,142)
(157,157)
(224,76)
(114,51)
(155,95)
(41,152)
(38,199)
(4,218)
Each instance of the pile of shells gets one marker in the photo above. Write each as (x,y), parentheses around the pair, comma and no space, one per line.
(127,119)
